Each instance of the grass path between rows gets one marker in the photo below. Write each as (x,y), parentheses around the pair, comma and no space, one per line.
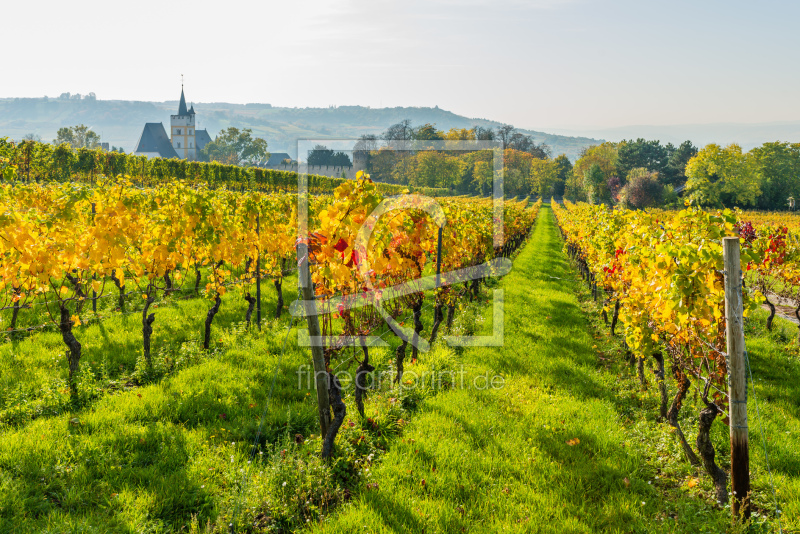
(552,450)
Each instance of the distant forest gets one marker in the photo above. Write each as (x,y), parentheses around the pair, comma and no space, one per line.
(424,156)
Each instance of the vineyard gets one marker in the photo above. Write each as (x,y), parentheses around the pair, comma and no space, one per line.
(79,255)
(151,378)
(65,246)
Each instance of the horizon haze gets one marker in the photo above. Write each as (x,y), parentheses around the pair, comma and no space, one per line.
(545,65)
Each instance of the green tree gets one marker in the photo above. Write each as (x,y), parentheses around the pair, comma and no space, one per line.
(675,171)
(604,156)
(719,176)
(437,169)
(650,155)
(77,137)
(322,155)
(235,147)
(460,134)
(482,178)
(595,183)
(427,132)
(778,167)
(563,172)
(381,164)
(483,134)
(543,176)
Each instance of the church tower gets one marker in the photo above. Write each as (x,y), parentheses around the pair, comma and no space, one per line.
(182,131)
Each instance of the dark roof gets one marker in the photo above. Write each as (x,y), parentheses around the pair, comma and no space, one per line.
(191,110)
(276,158)
(182,105)
(154,139)
(201,138)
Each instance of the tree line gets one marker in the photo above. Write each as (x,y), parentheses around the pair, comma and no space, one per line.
(419,156)
(645,173)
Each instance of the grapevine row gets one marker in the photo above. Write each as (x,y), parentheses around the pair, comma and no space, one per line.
(660,275)
(33,161)
(64,244)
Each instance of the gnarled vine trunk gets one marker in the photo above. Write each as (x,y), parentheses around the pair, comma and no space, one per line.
(417,329)
(279,306)
(251,304)
(399,356)
(615,318)
(451,313)
(363,370)
(147,329)
(78,291)
(662,384)
(771,313)
(640,371)
(438,315)
(476,288)
(197,277)
(339,413)
(73,347)
(168,282)
(707,453)
(209,319)
(121,290)
(674,409)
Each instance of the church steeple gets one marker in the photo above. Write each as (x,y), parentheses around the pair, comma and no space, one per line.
(182,130)
(182,105)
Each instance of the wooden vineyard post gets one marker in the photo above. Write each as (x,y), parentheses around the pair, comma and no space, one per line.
(309,306)
(94,276)
(737,379)
(439,260)
(258,272)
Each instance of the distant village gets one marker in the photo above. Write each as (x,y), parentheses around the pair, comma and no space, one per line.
(185,141)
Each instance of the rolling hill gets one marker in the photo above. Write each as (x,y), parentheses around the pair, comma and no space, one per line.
(120,122)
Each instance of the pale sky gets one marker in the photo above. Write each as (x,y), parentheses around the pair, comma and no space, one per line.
(535,64)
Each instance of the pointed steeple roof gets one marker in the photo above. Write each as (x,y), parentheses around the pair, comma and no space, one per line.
(191,110)
(182,105)
(154,139)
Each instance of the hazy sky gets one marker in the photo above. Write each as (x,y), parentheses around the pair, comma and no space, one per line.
(535,64)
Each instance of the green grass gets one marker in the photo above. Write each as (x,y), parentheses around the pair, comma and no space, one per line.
(153,452)
(33,370)
(172,452)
